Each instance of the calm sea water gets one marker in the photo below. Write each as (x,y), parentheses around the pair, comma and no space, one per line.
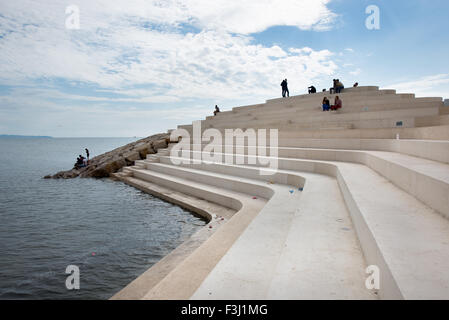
(111,231)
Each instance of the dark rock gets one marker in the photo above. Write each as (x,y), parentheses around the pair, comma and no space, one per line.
(160,144)
(106,169)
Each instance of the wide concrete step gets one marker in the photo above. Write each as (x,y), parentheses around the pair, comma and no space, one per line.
(350,100)
(420,133)
(304,251)
(396,230)
(248,186)
(427,149)
(439,120)
(394,122)
(406,239)
(268,245)
(320,116)
(306,97)
(314,109)
(182,281)
(314,100)
(426,180)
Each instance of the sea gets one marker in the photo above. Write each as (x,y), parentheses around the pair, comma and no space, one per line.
(102,232)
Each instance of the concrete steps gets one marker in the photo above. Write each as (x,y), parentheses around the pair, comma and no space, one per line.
(315,106)
(345,194)
(426,149)
(398,206)
(316,110)
(427,180)
(272,237)
(303,252)
(420,133)
(365,119)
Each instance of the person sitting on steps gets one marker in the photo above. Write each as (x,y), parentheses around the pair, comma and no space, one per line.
(338,104)
(338,86)
(326,104)
(312,89)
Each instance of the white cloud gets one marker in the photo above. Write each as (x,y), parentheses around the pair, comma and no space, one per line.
(356,72)
(434,85)
(112,50)
(140,50)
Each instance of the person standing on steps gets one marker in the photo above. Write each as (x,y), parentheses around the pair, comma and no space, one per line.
(283,88)
(285,91)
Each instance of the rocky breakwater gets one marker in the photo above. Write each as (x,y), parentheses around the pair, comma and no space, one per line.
(113,161)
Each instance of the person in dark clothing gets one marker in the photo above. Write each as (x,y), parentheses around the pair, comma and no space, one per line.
(312,89)
(87,154)
(217,110)
(284,86)
(80,162)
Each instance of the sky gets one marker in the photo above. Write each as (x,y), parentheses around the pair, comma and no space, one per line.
(136,67)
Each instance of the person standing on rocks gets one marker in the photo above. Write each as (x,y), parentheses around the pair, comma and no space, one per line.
(87,154)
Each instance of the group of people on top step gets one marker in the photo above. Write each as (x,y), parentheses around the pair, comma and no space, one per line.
(338,104)
(337,87)
(81,161)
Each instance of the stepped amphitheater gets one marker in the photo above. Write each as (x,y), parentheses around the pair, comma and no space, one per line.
(367,185)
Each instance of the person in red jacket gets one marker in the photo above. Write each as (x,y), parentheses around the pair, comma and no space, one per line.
(338,104)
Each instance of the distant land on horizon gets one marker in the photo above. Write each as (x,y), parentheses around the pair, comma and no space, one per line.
(20,136)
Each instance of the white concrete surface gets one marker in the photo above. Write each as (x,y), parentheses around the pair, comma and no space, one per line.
(368,199)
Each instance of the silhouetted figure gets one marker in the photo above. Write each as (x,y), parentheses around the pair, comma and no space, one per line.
(312,89)
(284,86)
(80,163)
(356,85)
(217,110)
(87,154)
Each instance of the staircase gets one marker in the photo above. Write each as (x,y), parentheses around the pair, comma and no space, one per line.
(347,194)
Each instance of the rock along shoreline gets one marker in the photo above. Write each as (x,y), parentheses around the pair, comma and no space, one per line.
(104,165)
